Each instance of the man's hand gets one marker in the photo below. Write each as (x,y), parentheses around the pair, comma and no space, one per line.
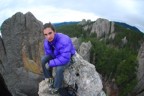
(51,81)
(47,66)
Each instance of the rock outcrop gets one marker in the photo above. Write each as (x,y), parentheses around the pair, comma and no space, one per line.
(81,73)
(84,50)
(102,28)
(76,42)
(139,90)
(21,53)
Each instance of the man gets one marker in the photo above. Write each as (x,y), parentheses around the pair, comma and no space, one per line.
(58,50)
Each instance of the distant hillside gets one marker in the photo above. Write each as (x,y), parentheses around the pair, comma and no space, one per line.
(65,23)
(118,23)
(127,26)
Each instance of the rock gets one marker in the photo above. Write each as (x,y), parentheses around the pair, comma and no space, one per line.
(102,27)
(83,22)
(84,50)
(140,73)
(124,41)
(81,73)
(22,49)
(76,43)
(2,56)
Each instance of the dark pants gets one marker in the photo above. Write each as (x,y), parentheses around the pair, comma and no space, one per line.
(59,71)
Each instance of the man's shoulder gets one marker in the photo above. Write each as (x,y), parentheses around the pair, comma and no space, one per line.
(62,35)
(63,39)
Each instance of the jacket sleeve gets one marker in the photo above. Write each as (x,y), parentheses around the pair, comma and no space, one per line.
(64,56)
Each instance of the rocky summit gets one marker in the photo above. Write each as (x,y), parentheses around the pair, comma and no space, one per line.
(80,73)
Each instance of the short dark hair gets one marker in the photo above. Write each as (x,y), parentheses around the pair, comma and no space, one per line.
(49,25)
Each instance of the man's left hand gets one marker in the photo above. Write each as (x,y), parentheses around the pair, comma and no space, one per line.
(47,66)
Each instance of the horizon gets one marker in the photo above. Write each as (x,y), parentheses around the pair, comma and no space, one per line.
(80,21)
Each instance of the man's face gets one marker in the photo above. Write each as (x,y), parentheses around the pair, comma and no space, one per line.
(49,34)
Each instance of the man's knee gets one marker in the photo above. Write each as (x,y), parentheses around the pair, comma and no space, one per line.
(45,59)
(60,69)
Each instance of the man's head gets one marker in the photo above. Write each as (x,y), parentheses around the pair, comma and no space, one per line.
(49,31)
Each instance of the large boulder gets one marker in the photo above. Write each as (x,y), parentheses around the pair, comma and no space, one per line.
(21,53)
(81,73)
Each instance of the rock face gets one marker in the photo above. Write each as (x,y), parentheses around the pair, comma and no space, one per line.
(76,42)
(81,73)
(102,28)
(21,53)
(84,50)
(2,55)
(139,90)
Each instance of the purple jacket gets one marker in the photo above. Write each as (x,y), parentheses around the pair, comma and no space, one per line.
(61,49)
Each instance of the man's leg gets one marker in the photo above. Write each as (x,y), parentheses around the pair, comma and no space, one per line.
(45,59)
(58,80)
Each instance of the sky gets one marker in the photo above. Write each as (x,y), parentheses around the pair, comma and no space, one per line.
(54,11)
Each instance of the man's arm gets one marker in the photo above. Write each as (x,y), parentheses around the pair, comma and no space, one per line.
(64,57)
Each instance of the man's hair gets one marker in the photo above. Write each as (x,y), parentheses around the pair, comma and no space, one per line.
(49,25)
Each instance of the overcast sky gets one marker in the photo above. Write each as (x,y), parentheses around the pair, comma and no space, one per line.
(127,11)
